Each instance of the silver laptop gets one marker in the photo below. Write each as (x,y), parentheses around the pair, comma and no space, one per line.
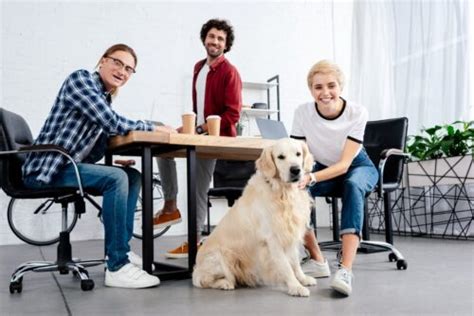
(270,129)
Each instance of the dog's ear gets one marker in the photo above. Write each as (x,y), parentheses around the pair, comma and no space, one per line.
(265,163)
(308,160)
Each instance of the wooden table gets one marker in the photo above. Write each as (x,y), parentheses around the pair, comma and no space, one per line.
(149,144)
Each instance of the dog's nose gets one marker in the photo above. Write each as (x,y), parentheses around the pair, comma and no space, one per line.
(295,170)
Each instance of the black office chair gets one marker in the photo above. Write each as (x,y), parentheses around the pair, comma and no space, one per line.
(384,142)
(229,180)
(15,142)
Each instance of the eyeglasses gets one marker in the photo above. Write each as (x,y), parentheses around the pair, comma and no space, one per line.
(120,64)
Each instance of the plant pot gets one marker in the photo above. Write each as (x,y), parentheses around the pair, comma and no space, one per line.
(440,193)
(441,171)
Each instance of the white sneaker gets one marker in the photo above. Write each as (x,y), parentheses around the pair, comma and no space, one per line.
(130,276)
(135,259)
(316,269)
(342,281)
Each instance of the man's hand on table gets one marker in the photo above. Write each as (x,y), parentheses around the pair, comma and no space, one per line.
(165,129)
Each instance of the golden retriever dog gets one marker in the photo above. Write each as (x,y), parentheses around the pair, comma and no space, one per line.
(257,241)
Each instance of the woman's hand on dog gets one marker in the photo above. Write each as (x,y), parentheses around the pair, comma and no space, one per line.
(304,181)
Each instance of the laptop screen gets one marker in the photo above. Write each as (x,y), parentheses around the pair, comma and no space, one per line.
(270,129)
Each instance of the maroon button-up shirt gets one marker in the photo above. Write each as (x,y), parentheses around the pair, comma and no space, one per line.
(223,95)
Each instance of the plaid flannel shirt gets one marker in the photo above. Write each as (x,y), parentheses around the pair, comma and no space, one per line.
(82,110)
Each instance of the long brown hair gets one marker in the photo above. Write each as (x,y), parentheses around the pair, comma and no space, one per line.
(112,49)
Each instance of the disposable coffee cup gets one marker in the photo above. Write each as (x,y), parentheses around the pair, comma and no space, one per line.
(189,122)
(214,125)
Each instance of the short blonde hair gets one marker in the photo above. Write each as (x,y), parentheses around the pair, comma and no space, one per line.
(326,67)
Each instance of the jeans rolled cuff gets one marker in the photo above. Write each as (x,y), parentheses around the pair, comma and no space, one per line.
(350,231)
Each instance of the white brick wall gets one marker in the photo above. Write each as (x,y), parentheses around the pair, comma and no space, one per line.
(43,41)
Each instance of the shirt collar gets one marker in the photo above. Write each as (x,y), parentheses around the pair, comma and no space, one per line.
(101,86)
(332,118)
(214,65)
(217,62)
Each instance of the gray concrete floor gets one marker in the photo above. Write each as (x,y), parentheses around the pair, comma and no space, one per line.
(439,281)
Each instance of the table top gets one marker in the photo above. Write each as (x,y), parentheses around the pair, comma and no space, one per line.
(219,147)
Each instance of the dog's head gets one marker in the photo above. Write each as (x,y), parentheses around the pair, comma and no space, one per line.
(288,160)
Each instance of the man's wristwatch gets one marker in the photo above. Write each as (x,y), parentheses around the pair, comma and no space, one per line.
(199,130)
(313,179)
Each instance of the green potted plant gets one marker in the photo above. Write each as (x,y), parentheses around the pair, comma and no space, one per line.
(456,139)
(440,179)
(442,154)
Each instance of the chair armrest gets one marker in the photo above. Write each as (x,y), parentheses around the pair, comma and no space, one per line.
(384,155)
(393,152)
(49,148)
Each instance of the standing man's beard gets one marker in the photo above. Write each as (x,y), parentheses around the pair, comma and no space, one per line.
(213,51)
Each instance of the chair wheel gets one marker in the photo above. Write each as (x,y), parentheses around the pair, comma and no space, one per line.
(87,285)
(402,264)
(16,286)
(392,257)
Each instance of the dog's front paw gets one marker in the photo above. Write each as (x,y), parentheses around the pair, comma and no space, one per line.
(224,284)
(308,281)
(298,291)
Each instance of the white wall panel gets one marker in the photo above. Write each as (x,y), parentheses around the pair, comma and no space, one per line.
(43,41)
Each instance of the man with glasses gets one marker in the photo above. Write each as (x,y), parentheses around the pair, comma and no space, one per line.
(217,90)
(120,65)
(80,121)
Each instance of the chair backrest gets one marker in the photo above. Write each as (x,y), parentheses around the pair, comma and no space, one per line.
(14,133)
(233,173)
(385,134)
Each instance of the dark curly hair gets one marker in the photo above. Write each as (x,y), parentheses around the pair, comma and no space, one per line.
(221,25)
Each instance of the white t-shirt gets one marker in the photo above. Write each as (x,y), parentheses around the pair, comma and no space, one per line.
(201,93)
(326,137)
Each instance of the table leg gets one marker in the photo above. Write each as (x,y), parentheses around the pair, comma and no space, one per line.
(147,209)
(192,230)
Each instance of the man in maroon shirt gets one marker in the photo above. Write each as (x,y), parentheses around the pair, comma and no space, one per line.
(217,90)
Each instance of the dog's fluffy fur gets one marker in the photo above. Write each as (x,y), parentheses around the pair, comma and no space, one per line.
(257,240)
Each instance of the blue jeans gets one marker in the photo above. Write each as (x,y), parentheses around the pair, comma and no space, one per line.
(352,186)
(120,188)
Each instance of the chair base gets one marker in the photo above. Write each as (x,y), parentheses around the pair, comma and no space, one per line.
(64,264)
(369,246)
(75,266)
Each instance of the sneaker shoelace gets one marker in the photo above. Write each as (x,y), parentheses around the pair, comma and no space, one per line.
(345,276)
(134,272)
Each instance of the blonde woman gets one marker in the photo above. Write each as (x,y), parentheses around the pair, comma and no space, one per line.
(334,130)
